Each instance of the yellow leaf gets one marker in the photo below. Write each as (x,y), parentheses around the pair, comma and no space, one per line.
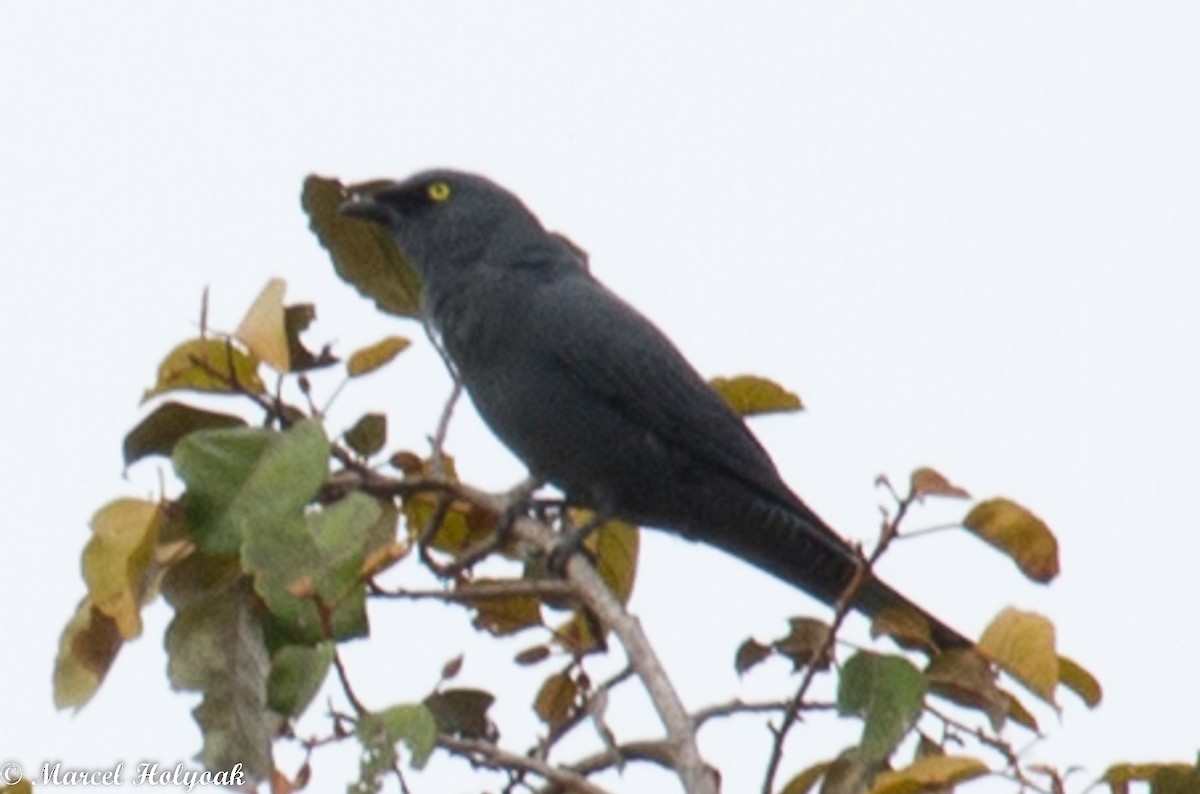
(1018,533)
(1022,643)
(263,329)
(928,482)
(750,395)
(615,547)
(1119,776)
(377,355)
(929,774)
(1080,681)
(88,646)
(1018,713)
(209,365)
(805,780)
(117,560)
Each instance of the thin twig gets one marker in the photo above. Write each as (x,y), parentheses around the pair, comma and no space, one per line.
(479,591)
(888,533)
(1011,757)
(488,755)
(735,707)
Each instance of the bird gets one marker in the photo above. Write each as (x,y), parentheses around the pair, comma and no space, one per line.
(593,398)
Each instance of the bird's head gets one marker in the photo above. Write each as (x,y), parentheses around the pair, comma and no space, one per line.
(446,221)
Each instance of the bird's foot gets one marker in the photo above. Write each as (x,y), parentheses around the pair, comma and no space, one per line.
(573,542)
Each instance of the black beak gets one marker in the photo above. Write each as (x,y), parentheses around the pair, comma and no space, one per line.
(363,206)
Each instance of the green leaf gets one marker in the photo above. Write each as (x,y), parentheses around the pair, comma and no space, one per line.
(215,646)
(414,725)
(380,731)
(368,435)
(888,693)
(751,395)
(207,365)
(313,563)
(363,253)
(159,432)
(246,477)
(296,675)
(89,644)
(377,758)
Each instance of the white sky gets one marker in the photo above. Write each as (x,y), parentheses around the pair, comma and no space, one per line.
(966,234)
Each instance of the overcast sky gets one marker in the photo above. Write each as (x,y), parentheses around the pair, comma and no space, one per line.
(966,234)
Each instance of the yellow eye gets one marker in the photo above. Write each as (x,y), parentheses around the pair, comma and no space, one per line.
(438,191)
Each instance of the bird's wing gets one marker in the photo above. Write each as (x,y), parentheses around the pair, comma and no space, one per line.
(642,375)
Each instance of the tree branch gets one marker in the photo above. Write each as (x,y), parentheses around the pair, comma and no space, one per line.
(486,754)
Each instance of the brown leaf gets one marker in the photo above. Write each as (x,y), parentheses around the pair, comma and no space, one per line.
(555,699)
(906,626)
(89,644)
(531,656)
(967,679)
(928,482)
(504,615)
(452,668)
(158,433)
(1018,533)
(804,642)
(749,654)
(462,712)
(363,253)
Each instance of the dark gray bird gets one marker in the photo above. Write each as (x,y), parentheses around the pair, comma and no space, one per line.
(594,398)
